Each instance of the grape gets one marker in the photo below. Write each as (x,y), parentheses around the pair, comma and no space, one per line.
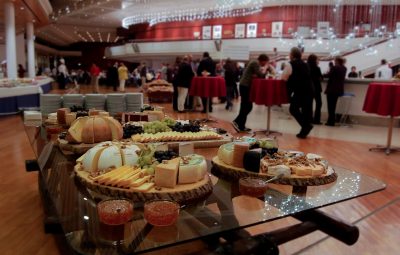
(130,130)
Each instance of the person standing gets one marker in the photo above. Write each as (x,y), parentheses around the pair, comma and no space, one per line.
(143,73)
(353,73)
(300,90)
(384,72)
(335,88)
(21,71)
(316,77)
(184,79)
(62,74)
(94,79)
(206,68)
(122,76)
(253,70)
(231,74)
(112,76)
(175,71)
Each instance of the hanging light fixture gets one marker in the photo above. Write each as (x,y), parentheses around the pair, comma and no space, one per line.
(222,9)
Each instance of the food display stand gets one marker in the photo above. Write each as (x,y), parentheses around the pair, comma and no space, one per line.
(70,209)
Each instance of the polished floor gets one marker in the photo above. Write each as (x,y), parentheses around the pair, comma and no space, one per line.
(376,215)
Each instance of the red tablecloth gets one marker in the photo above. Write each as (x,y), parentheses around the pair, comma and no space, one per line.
(383,99)
(268,92)
(208,87)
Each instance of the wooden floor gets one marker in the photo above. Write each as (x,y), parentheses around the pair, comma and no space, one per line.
(377,215)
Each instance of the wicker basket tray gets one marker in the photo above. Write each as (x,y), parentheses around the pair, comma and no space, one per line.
(223,170)
(183,193)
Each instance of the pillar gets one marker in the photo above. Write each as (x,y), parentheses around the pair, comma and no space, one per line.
(30,45)
(9,16)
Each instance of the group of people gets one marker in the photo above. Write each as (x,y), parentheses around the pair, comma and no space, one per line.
(303,82)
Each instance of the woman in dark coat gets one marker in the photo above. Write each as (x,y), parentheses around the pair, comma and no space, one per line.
(316,77)
(231,74)
(335,88)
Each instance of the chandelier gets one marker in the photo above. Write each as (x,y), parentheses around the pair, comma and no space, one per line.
(222,9)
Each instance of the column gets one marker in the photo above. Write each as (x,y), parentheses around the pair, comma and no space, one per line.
(9,15)
(30,45)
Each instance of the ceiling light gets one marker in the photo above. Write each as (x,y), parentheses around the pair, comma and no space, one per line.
(223,8)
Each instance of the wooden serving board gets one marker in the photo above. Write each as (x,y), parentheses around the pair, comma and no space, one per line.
(182,193)
(223,170)
(84,147)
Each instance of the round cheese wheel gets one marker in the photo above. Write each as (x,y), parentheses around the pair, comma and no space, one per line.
(109,155)
(94,129)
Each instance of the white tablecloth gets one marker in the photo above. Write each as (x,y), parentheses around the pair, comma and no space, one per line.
(24,90)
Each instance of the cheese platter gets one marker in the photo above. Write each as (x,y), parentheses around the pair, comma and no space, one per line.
(140,173)
(261,159)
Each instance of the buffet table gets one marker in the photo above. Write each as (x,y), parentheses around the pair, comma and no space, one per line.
(208,87)
(268,92)
(71,211)
(12,99)
(384,99)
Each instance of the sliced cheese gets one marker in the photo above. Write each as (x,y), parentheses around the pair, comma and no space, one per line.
(143,188)
(139,182)
(125,182)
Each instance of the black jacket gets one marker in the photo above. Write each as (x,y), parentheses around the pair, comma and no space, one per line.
(316,77)
(299,82)
(206,64)
(185,75)
(335,85)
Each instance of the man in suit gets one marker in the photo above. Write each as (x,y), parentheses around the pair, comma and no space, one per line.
(206,68)
(300,90)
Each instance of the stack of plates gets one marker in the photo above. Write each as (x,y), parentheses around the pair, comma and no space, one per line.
(95,101)
(49,103)
(134,102)
(116,103)
(70,100)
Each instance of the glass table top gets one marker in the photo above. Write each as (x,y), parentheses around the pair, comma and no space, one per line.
(224,210)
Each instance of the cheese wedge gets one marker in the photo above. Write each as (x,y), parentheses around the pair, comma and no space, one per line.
(116,128)
(166,174)
(75,131)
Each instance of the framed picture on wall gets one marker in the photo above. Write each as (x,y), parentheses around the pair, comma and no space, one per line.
(206,32)
(323,29)
(277,29)
(251,30)
(217,32)
(240,30)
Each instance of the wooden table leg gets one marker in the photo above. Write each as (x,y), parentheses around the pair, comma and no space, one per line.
(388,148)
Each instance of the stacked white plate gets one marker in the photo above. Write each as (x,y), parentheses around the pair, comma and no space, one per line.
(116,103)
(49,103)
(134,102)
(70,100)
(95,101)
